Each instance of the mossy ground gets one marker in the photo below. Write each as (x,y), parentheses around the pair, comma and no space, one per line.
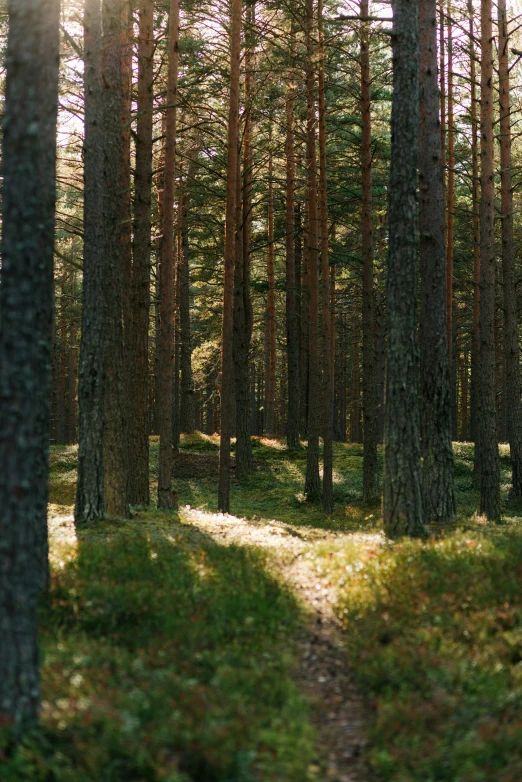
(169,657)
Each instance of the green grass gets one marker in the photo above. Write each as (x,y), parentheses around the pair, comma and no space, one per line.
(169,657)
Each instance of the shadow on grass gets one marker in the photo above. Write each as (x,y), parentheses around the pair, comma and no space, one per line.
(435,634)
(167,657)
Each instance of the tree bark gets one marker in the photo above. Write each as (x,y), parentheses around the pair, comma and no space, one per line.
(26,328)
(312,479)
(475,195)
(187,410)
(511,345)
(90,490)
(270,368)
(166,497)
(435,307)
(402,502)
(292,333)
(142,258)
(370,461)
(115,443)
(227,340)
(328,499)
(450,230)
(487,449)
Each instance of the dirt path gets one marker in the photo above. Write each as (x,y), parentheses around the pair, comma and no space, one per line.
(338,710)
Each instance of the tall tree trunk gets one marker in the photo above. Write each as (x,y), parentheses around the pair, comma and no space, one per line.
(270,368)
(328,499)
(26,327)
(292,333)
(140,419)
(243,317)
(355,414)
(475,190)
(450,230)
(402,502)
(370,462)
(435,308)
(187,397)
(511,346)
(115,413)
(486,451)
(227,340)
(90,490)
(166,497)
(312,479)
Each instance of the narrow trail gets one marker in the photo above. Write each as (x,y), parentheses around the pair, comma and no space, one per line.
(338,710)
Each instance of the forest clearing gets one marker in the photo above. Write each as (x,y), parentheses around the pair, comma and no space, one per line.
(260,391)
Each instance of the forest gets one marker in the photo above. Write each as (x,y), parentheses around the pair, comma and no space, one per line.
(260,391)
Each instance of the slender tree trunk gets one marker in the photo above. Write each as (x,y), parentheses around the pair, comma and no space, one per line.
(166,497)
(187,396)
(328,499)
(26,328)
(243,317)
(304,349)
(435,308)
(292,333)
(487,450)
(312,480)
(511,345)
(370,462)
(402,503)
(142,258)
(270,369)
(115,443)
(450,230)
(227,340)
(355,414)
(475,339)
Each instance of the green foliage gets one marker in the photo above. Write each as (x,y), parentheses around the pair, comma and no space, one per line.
(166,657)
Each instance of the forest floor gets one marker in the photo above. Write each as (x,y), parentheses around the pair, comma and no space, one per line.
(278,643)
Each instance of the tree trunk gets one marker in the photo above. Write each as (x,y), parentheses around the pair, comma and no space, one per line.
(142,258)
(435,308)
(270,369)
(90,490)
(187,409)
(312,480)
(355,413)
(475,338)
(370,462)
(511,346)
(227,340)
(327,412)
(26,327)
(450,231)
(115,414)
(487,447)
(292,333)
(402,502)
(166,497)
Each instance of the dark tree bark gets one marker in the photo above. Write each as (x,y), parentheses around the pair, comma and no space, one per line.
(511,346)
(115,443)
(450,230)
(26,306)
(435,308)
(487,448)
(270,366)
(475,337)
(187,409)
(312,479)
(292,326)
(355,409)
(402,502)
(243,315)
(142,259)
(227,349)
(90,491)
(370,462)
(166,498)
(328,499)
